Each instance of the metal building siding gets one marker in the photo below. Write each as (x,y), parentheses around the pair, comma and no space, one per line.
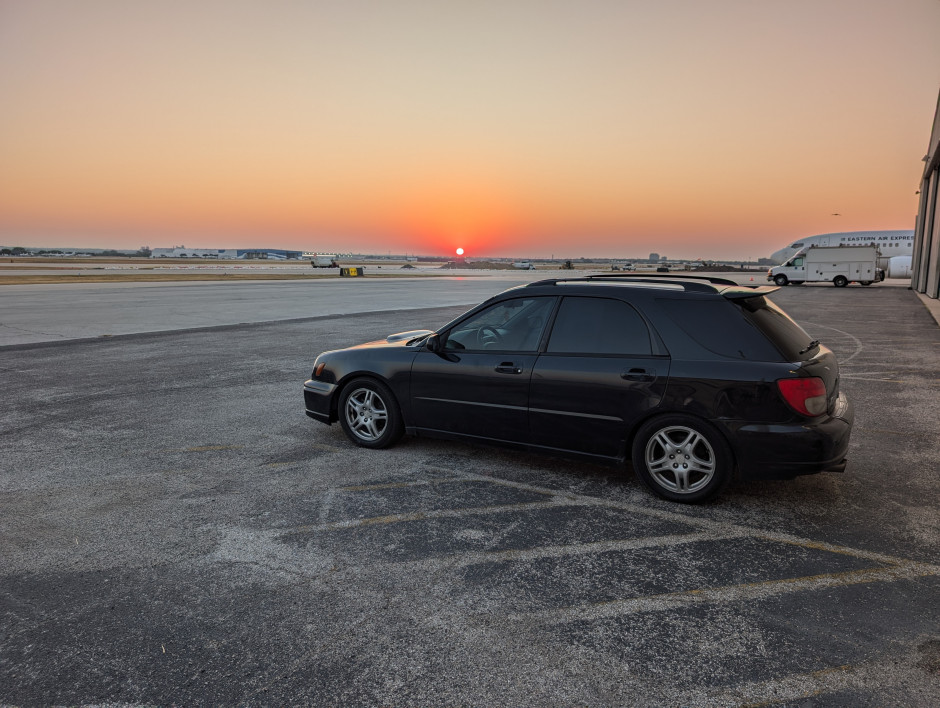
(926,261)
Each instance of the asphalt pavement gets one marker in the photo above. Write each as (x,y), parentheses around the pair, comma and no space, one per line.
(175,530)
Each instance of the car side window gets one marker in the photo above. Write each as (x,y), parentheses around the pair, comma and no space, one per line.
(593,325)
(511,325)
(718,325)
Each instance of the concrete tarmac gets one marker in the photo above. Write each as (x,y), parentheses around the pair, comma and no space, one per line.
(46,313)
(174,530)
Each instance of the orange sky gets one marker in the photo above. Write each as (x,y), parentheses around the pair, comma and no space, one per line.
(527,128)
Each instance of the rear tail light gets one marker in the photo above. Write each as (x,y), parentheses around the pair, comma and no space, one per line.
(807,396)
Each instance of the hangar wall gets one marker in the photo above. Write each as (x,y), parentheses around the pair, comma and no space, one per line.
(925,266)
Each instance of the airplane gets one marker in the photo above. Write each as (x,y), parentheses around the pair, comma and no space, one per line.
(896,247)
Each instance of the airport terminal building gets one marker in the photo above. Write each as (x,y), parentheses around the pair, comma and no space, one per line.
(925,271)
(273,254)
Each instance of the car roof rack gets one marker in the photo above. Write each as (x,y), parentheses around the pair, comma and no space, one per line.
(613,277)
(692,283)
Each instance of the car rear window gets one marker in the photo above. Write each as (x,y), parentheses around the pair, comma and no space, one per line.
(717,325)
(791,339)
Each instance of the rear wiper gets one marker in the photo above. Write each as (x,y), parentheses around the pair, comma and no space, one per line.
(811,345)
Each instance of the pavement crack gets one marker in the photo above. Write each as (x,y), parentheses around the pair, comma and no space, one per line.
(32,331)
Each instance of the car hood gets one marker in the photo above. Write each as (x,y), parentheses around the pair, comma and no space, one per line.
(394,341)
(408,336)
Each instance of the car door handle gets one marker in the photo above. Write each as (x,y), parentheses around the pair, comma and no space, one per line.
(507,367)
(639,375)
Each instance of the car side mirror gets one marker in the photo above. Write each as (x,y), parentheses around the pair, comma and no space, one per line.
(433,343)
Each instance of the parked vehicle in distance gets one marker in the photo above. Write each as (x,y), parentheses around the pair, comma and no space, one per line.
(839,265)
(896,247)
(523,265)
(694,380)
(322,260)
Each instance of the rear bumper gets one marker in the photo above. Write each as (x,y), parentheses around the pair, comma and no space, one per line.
(318,400)
(784,451)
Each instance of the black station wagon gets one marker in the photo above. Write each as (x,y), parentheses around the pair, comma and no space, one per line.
(694,380)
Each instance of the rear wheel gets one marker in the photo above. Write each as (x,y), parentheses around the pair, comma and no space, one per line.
(840,281)
(781,280)
(369,414)
(682,458)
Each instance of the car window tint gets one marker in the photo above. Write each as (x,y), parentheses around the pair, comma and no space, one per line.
(717,325)
(510,325)
(589,325)
(791,339)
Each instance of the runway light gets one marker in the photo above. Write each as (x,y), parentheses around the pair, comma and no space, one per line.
(459,251)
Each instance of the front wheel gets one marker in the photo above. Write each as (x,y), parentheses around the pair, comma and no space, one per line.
(840,281)
(682,458)
(781,280)
(369,414)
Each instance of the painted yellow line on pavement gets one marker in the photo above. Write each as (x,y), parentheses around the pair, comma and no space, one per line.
(725,594)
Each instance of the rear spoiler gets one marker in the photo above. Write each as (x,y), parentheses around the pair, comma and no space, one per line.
(742,292)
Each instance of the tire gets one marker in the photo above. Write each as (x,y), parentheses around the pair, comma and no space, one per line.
(369,414)
(840,281)
(682,458)
(781,280)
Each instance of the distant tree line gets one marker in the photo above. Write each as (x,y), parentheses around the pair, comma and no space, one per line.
(142,252)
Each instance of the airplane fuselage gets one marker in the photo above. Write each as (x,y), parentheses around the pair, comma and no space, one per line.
(896,247)
(890,243)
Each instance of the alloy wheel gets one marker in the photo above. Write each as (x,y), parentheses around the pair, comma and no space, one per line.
(366,414)
(680,459)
